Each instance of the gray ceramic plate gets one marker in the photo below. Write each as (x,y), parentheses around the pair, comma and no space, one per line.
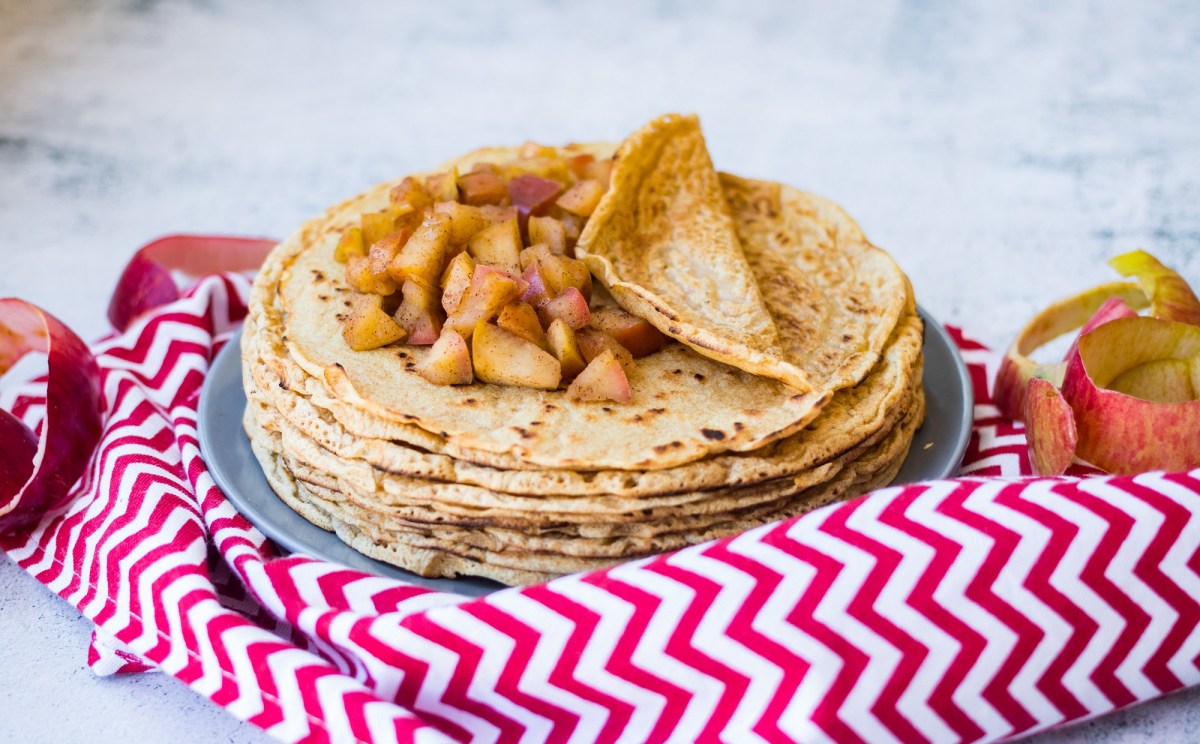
(936,452)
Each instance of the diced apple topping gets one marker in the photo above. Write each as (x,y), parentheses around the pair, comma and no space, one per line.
(520,318)
(533,194)
(569,306)
(490,290)
(420,314)
(603,379)
(593,343)
(479,267)
(499,246)
(548,231)
(367,326)
(423,255)
(375,225)
(456,279)
(563,345)
(448,361)
(632,332)
(507,359)
(481,187)
(582,198)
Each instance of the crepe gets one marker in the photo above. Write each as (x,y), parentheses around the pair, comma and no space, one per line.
(663,242)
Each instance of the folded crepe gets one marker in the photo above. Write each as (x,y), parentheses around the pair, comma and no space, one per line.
(663,241)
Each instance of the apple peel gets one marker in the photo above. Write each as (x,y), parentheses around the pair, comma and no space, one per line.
(36,474)
(1050,428)
(1087,309)
(149,279)
(1171,298)
(1120,433)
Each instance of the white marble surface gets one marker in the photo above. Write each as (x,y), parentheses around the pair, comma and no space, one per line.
(1000,150)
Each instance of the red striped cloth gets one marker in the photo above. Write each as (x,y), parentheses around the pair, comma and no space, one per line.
(961,610)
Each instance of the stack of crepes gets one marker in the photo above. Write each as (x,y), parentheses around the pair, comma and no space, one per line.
(793,380)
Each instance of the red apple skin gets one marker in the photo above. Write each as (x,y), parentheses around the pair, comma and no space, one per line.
(1125,435)
(533,194)
(568,306)
(1050,428)
(632,332)
(535,290)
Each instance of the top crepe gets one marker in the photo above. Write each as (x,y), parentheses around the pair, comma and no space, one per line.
(663,241)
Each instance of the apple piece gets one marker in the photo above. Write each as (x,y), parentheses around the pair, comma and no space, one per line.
(481,187)
(1050,428)
(560,272)
(375,225)
(359,276)
(493,213)
(422,257)
(1120,433)
(1171,298)
(599,171)
(448,361)
(505,358)
(582,198)
(565,347)
(367,326)
(350,244)
(420,313)
(535,285)
(465,220)
(568,306)
(573,227)
(533,253)
(549,232)
(385,249)
(443,187)
(1063,316)
(499,246)
(593,343)
(579,163)
(456,279)
(520,318)
(407,201)
(490,290)
(533,195)
(632,332)
(602,379)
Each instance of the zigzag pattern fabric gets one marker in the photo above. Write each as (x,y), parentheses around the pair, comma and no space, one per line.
(971,609)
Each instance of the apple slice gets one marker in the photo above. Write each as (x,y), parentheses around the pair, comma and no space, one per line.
(1171,298)
(448,361)
(632,332)
(465,220)
(582,198)
(480,187)
(408,197)
(599,170)
(560,272)
(367,326)
(443,187)
(424,254)
(456,279)
(420,313)
(1050,428)
(569,306)
(350,244)
(507,359)
(565,348)
(602,379)
(579,163)
(490,290)
(535,289)
(548,231)
(359,276)
(375,225)
(593,343)
(1118,432)
(493,213)
(533,195)
(520,318)
(385,249)
(533,253)
(498,245)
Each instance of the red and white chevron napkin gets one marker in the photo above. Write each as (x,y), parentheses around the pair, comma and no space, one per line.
(961,610)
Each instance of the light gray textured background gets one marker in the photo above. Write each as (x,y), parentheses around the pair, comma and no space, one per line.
(1001,151)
